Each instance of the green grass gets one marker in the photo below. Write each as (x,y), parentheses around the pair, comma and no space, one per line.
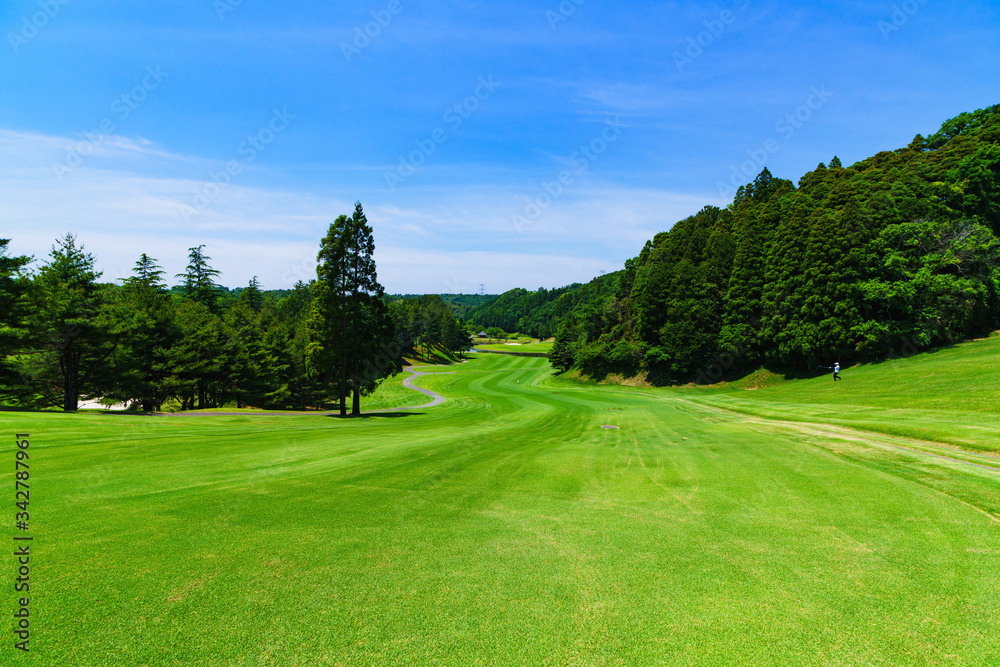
(536,346)
(951,395)
(505,526)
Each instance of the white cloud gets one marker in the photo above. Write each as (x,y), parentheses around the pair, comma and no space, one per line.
(408,271)
(126,200)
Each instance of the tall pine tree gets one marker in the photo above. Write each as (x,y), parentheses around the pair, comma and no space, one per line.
(199,278)
(351,328)
(74,334)
(145,315)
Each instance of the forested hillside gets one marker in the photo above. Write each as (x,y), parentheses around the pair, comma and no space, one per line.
(538,313)
(893,254)
(461,304)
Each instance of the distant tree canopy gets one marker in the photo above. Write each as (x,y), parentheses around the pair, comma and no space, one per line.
(427,322)
(896,252)
(460,304)
(537,313)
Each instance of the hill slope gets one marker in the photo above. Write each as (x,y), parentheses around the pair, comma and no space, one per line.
(895,252)
(949,395)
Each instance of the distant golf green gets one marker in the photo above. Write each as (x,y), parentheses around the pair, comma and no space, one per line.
(507,527)
(535,347)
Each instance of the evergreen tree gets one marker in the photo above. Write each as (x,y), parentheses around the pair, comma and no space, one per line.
(351,327)
(289,341)
(329,348)
(251,369)
(371,335)
(562,354)
(73,333)
(756,213)
(198,358)
(252,296)
(144,314)
(13,288)
(199,279)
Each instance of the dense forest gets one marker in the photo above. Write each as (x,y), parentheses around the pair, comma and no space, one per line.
(535,313)
(461,304)
(893,254)
(66,336)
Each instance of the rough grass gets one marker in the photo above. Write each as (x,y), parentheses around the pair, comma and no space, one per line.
(951,395)
(506,527)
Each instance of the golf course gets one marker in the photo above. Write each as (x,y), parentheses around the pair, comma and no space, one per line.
(806,522)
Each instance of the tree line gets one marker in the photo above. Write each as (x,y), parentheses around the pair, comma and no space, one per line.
(65,335)
(895,253)
(426,322)
(538,313)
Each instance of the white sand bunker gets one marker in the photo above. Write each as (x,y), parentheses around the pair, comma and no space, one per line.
(609,426)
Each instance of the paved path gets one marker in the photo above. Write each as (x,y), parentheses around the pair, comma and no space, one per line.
(408,382)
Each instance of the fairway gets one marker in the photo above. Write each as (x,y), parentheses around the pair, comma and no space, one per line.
(505,526)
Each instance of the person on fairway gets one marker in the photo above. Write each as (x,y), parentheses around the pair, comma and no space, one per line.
(836,371)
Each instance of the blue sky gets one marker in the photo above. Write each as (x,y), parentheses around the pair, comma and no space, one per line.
(514,144)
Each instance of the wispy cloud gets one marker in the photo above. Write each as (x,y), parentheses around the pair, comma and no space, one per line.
(126,200)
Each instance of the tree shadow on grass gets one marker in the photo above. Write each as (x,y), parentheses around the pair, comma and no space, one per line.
(82,411)
(368,415)
(128,413)
(196,413)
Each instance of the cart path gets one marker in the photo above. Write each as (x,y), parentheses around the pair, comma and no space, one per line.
(438,399)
